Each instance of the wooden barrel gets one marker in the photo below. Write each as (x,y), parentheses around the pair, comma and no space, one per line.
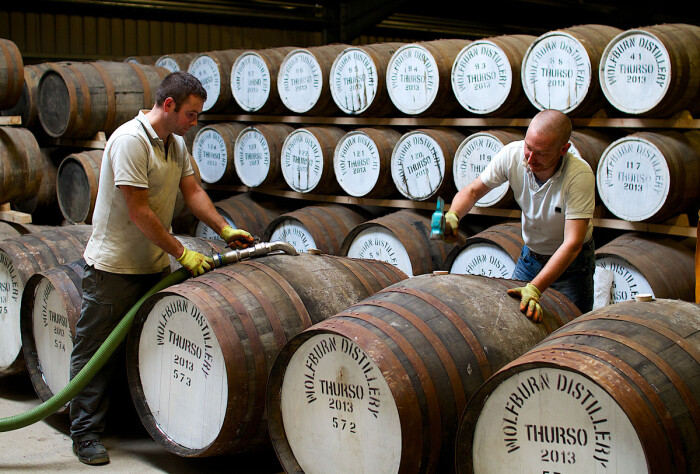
(492,253)
(50,310)
(189,137)
(560,69)
(358,79)
(486,76)
(20,170)
(652,71)
(307,159)
(8,231)
(11,74)
(27,106)
(385,381)
(645,263)
(212,148)
(650,176)
(244,211)
(20,258)
(620,387)
(401,238)
(77,182)
(421,163)
(472,157)
(589,145)
(323,227)
(362,162)
(146,60)
(43,206)
(254,80)
(418,77)
(77,100)
(303,79)
(176,62)
(199,353)
(213,69)
(258,154)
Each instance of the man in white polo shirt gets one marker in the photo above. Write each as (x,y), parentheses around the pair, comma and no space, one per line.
(556,193)
(144,163)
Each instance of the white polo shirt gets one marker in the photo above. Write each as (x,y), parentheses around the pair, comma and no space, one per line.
(135,156)
(568,194)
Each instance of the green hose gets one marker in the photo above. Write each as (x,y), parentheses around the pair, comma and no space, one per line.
(93,365)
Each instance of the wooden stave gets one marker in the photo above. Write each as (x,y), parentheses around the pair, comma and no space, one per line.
(11,74)
(421,448)
(20,173)
(507,236)
(43,206)
(558,351)
(27,106)
(89,163)
(274,134)
(318,306)
(39,251)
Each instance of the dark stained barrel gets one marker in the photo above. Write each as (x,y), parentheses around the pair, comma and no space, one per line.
(11,74)
(77,100)
(323,227)
(401,238)
(43,206)
(21,168)
(20,258)
(616,390)
(77,183)
(199,353)
(27,106)
(383,383)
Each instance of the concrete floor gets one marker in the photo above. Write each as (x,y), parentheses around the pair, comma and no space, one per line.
(46,446)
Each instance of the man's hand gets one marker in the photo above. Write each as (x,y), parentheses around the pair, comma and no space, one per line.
(451,227)
(529,301)
(236,238)
(195,262)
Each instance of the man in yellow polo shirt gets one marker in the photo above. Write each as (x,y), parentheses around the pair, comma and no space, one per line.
(556,193)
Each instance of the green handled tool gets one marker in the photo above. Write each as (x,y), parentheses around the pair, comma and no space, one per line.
(437,224)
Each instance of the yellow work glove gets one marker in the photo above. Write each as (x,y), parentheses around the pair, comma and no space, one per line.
(236,238)
(195,262)
(529,301)
(451,227)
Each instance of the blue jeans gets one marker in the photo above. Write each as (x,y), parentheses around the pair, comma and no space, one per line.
(576,283)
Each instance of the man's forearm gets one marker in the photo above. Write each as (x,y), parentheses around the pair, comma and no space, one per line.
(204,210)
(557,264)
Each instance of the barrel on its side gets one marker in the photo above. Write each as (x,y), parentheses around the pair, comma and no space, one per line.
(77,183)
(213,69)
(20,258)
(146,60)
(27,106)
(258,154)
(385,381)
(208,344)
(486,76)
(421,163)
(650,176)
(50,310)
(244,211)
(645,263)
(472,157)
(176,62)
(560,69)
(418,77)
(362,162)
(492,253)
(651,71)
(254,80)
(620,389)
(77,100)
(213,150)
(323,227)
(307,159)
(11,74)
(358,79)
(303,79)
(401,238)
(43,206)
(20,170)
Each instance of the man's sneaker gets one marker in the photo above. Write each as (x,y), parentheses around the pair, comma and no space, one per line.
(91,451)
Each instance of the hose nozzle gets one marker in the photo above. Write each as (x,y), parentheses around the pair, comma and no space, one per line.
(257,250)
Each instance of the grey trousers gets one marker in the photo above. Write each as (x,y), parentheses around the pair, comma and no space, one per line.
(107,297)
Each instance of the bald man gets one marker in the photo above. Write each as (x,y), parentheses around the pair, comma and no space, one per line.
(556,193)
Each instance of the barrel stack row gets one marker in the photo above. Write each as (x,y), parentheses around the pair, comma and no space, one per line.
(644,71)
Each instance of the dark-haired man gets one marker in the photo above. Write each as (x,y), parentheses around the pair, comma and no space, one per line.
(144,163)
(556,193)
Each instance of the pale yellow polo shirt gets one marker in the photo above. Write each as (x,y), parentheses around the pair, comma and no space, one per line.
(568,194)
(135,156)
